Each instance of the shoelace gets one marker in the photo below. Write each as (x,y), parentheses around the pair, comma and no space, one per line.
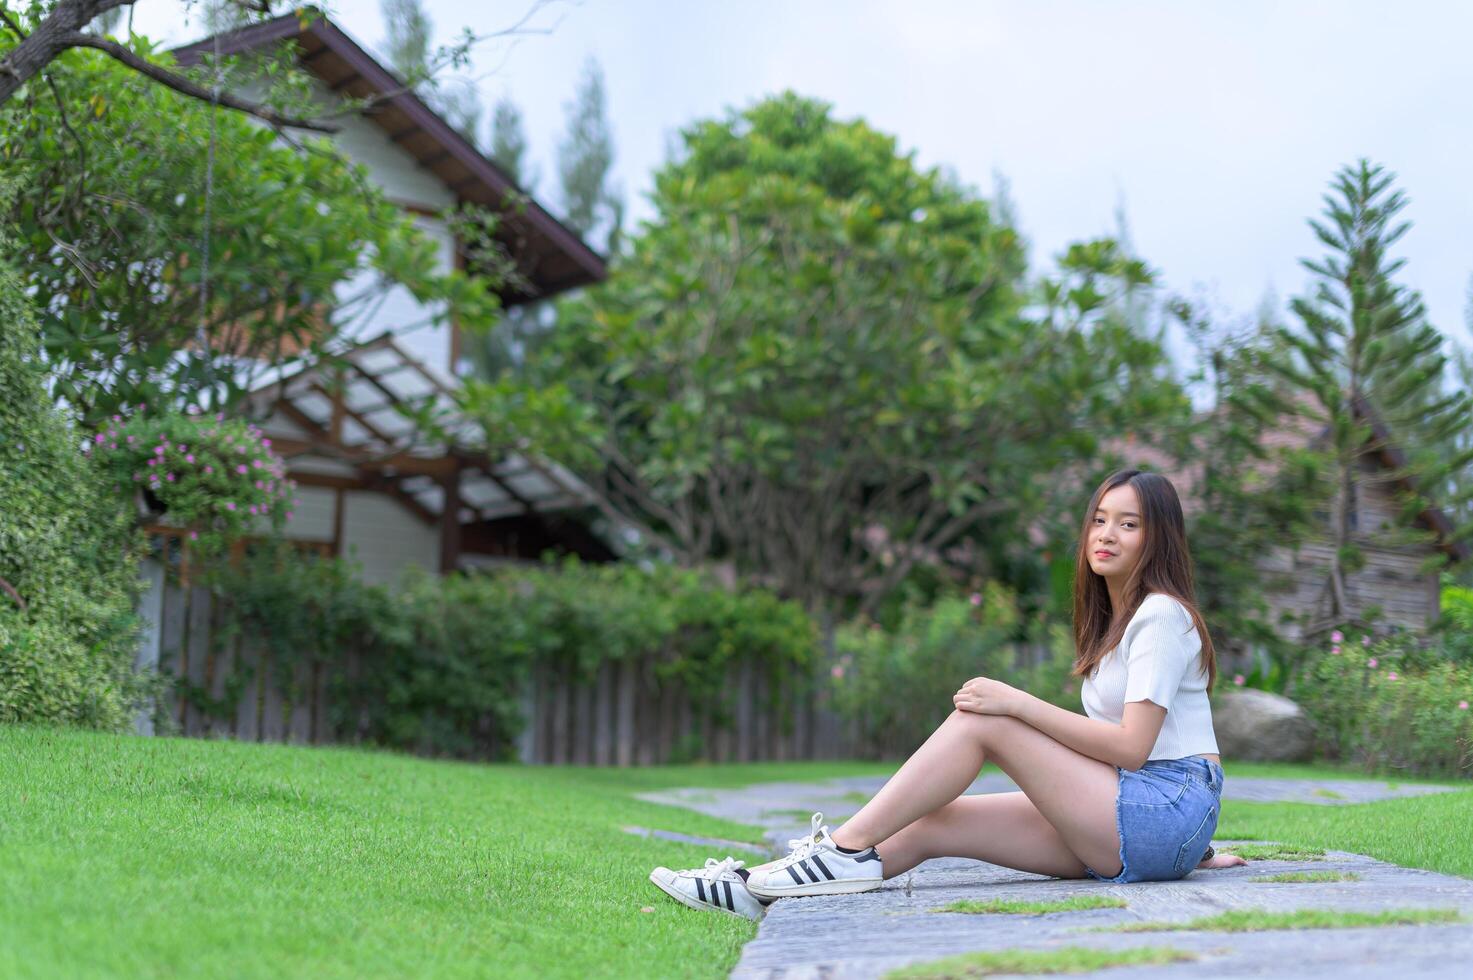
(714,869)
(800,847)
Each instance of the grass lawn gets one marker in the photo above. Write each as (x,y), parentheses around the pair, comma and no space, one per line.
(144,857)
(1416,832)
(178,857)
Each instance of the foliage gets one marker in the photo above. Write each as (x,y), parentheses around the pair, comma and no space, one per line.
(509,144)
(1366,342)
(409,28)
(127,182)
(1454,627)
(68,553)
(439,665)
(585,157)
(1395,704)
(207,473)
(811,364)
(897,686)
(1250,496)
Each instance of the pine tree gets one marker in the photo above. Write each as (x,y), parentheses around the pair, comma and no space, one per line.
(585,157)
(1366,352)
(509,143)
(410,29)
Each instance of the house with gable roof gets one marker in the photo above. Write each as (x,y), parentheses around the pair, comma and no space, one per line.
(368,484)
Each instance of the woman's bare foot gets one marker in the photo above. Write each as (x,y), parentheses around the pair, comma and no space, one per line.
(1222,861)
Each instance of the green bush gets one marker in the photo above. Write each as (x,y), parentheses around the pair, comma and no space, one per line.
(1454,628)
(896,686)
(442,661)
(1397,703)
(68,554)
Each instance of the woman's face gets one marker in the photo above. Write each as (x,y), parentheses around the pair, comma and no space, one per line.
(1116,529)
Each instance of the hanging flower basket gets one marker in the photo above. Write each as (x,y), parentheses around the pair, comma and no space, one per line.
(217,477)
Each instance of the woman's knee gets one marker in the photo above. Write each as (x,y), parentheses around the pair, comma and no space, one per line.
(981,727)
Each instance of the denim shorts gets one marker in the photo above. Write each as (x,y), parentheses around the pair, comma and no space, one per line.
(1166,813)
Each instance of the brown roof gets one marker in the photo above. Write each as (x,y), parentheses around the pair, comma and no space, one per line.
(551,256)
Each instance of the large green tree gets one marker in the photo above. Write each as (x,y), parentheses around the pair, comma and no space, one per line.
(1366,336)
(814,363)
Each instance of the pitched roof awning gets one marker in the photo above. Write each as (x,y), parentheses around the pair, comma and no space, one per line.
(348,418)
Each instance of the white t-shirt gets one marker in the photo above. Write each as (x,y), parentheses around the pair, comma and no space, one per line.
(1157,661)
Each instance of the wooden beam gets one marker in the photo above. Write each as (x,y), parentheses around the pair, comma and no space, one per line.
(343,83)
(330,481)
(450,522)
(365,462)
(399,136)
(435,158)
(340,408)
(337,522)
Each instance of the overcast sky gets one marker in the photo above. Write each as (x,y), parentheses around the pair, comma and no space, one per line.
(1217,125)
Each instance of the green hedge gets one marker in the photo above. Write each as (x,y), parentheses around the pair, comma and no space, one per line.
(1400,703)
(68,550)
(444,660)
(896,686)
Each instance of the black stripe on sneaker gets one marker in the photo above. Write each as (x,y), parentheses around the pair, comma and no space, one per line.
(797,880)
(743,872)
(822,867)
(729,903)
(870,855)
(701,889)
(807,870)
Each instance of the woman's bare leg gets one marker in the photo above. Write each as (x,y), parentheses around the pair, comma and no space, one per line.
(1074,793)
(1000,828)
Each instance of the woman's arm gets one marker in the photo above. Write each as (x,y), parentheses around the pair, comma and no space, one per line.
(1126,745)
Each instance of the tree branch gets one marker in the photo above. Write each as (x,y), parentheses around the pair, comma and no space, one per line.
(184,86)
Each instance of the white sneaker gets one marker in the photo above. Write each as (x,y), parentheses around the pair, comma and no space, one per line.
(816,866)
(719,885)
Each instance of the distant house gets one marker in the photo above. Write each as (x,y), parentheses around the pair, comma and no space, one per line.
(366,484)
(1408,598)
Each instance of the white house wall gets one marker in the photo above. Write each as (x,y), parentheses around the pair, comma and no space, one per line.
(410,185)
(312,516)
(386,537)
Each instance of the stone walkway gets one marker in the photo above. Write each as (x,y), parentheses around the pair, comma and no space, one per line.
(864,936)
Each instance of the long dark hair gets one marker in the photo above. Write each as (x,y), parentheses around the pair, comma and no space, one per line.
(1165,566)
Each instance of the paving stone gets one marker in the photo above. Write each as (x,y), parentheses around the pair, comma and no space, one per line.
(865,936)
(717,843)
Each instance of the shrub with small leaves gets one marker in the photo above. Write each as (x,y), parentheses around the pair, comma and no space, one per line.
(897,685)
(68,551)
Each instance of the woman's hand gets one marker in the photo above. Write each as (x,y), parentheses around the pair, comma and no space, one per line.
(985,696)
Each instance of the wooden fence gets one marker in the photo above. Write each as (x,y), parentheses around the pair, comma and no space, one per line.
(625,717)
(181,623)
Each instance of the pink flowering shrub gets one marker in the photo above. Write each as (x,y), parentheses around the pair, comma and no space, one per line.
(216,476)
(1402,707)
